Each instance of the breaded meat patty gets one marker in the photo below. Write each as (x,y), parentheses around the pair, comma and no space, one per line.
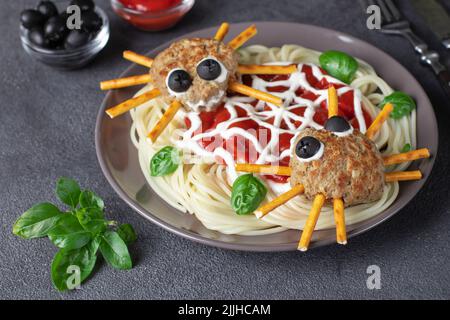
(348,167)
(186,55)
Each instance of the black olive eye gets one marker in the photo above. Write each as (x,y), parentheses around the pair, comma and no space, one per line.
(307,147)
(209,69)
(337,124)
(179,81)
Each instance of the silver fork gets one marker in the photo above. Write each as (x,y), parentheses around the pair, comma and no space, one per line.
(392,22)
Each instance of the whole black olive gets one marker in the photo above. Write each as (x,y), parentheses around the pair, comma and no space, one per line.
(209,69)
(307,147)
(55,29)
(76,39)
(91,21)
(179,80)
(337,124)
(37,37)
(85,5)
(47,9)
(31,18)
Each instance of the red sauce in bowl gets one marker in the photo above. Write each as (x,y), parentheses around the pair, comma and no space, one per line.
(152,15)
(150,5)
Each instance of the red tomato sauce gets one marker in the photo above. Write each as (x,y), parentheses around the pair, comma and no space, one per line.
(153,15)
(150,5)
(211,119)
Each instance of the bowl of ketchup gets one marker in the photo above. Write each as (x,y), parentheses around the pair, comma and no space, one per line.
(152,15)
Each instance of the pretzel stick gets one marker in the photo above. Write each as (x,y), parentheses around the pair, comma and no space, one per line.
(402,176)
(132,103)
(310,224)
(339,218)
(125,82)
(263,169)
(137,58)
(407,156)
(165,120)
(243,37)
(379,120)
(282,199)
(257,94)
(222,32)
(260,69)
(332,102)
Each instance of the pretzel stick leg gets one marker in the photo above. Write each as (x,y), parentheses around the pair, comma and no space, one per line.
(339,218)
(403,176)
(262,69)
(257,94)
(165,120)
(125,82)
(332,102)
(243,37)
(310,224)
(263,169)
(282,199)
(132,103)
(407,156)
(222,32)
(138,58)
(379,120)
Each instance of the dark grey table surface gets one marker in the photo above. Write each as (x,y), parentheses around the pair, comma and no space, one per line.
(47,120)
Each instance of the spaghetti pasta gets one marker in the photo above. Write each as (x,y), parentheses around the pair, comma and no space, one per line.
(204,187)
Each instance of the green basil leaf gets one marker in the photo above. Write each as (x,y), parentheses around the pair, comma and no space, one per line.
(115,251)
(406,148)
(37,221)
(247,194)
(164,162)
(68,191)
(92,220)
(84,258)
(88,199)
(69,234)
(403,104)
(339,65)
(127,233)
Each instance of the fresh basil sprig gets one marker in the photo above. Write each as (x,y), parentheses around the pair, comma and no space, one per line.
(68,191)
(37,221)
(83,258)
(92,220)
(164,162)
(80,233)
(403,104)
(69,234)
(406,148)
(339,65)
(247,194)
(115,251)
(88,199)
(126,232)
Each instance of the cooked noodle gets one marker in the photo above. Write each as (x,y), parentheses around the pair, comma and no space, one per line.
(204,189)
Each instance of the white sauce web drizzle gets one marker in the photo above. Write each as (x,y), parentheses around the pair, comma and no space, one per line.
(267,153)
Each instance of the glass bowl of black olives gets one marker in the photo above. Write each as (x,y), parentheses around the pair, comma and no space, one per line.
(68,38)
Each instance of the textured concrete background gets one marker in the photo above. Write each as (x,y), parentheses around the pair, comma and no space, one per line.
(47,122)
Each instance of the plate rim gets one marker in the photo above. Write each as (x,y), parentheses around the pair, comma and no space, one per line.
(187,234)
